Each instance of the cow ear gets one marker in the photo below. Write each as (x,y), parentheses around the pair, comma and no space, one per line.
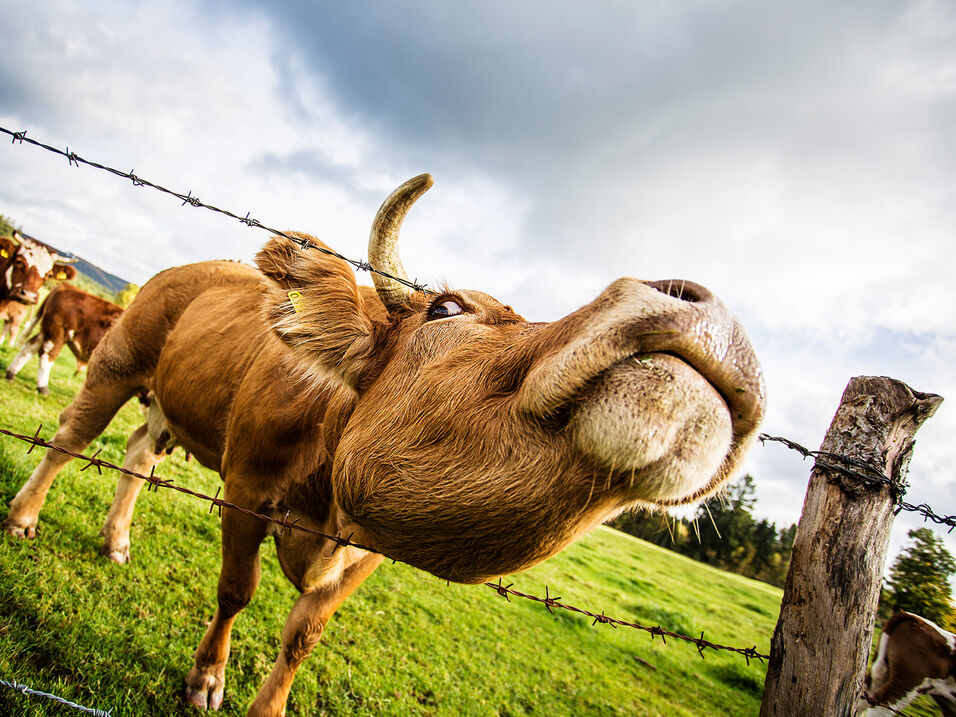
(7,249)
(314,306)
(62,272)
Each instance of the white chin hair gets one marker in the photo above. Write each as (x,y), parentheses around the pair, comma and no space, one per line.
(658,419)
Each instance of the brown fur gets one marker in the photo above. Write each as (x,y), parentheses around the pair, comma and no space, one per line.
(68,316)
(469,446)
(912,652)
(12,316)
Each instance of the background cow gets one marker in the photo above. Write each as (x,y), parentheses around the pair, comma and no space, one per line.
(25,264)
(442,430)
(915,657)
(67,316)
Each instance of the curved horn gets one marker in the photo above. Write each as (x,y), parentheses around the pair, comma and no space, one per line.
(383,241)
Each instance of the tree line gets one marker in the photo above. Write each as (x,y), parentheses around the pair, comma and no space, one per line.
(724,533)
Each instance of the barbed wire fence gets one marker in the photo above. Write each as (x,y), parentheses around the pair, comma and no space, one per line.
(74,159)
(869,475)
(30,692)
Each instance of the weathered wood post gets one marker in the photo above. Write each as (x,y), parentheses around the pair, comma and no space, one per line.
(820,646)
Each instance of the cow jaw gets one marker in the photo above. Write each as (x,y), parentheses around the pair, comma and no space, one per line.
(658,386)
(654,424)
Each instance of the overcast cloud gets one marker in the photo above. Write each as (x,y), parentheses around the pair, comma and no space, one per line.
(798,159)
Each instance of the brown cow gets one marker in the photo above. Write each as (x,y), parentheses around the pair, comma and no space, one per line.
(67,316)
(914,657)
(442,430)
(25,264)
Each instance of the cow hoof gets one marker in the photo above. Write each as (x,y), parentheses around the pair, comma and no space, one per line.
(20,531)
(207,695)
(10,375)
(120,556)
(43,391)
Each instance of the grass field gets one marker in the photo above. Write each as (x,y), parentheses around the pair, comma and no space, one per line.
(120,638)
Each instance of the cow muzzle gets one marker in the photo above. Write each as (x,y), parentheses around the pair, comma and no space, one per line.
(24,296)
(653,379)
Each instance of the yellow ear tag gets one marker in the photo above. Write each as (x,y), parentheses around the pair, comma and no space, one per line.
(296,298)
(4,254)
(61,275)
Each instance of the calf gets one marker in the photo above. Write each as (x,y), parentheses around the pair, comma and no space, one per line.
(440,429)
(914,657)
(12,316)
(67,316)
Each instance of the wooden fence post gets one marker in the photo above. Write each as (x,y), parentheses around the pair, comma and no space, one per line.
(822,641)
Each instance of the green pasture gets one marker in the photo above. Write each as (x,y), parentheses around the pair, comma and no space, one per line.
(120,638)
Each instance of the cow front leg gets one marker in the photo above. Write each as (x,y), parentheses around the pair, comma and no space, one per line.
(303,628)
(80,422)
(29,350)
(48,355)
(238,580)
(141,457)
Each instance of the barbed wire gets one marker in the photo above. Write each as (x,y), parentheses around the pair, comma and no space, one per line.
(155,482)
(750,653)
(188,198)
(37,693)
(868,474)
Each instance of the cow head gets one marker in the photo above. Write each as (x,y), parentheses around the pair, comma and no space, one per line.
(471,443)
(29,264)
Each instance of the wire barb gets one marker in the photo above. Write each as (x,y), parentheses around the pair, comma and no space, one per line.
(188,198)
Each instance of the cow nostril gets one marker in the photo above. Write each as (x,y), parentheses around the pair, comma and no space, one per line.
(682,289)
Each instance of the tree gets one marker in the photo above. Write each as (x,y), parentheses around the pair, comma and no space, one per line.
(919,579)
(725,527)
(7,226)
(125,296)
(723,533)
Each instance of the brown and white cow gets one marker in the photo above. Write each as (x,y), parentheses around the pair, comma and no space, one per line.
(68,316)
(915,657)
(442,430)
(25,264)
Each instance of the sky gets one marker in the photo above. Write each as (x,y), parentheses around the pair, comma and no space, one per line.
(799,159)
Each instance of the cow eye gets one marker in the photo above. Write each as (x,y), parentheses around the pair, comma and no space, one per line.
(444,308)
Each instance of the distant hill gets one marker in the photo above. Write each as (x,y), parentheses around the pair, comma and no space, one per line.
(101,276)
(110,281)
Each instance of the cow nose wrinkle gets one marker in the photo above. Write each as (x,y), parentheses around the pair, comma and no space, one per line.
(682,289)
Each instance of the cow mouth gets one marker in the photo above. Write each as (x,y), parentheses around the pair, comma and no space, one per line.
(659,422)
